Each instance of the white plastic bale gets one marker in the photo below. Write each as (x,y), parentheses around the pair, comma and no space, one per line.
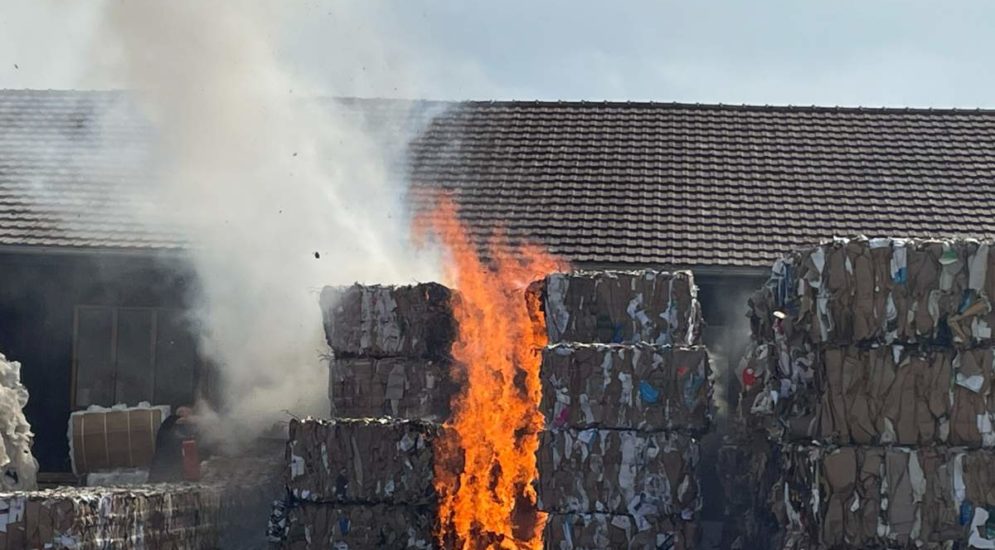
(18,467)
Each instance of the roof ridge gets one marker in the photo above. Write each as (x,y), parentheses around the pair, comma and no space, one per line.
(648,104)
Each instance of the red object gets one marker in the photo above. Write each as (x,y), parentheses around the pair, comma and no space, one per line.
(191,461)
(749,378)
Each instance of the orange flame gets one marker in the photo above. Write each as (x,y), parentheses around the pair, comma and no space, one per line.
(486,463)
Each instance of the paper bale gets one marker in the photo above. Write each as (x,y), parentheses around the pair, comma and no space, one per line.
(641,386)
(361,461)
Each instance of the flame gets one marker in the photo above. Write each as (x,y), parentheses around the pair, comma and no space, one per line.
(486,462)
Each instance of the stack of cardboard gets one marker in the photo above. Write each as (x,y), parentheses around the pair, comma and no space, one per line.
(365,478)
(391,350)
(616,307)
(886,497)
(350,461)
(871,374)
(152,516)
(360,480)
(625,389)
(632,386)
(374,526)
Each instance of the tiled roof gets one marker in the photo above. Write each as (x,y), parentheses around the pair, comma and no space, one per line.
(68,178)
(706,185)
(632,183)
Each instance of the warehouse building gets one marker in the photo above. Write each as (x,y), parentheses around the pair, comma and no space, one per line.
(91,293)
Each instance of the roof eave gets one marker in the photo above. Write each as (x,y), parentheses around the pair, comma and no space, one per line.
(136,252)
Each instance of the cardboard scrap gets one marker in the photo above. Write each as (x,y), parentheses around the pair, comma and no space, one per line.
(389,321)
(881,290)
(342,526)
(620,307)
(600,531)
(395,386)
(377,460)
(640,386)
(891,394)
(153,516)
(645,475)
(884,497)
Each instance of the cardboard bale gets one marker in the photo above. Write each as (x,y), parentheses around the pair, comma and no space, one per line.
(114,438)
(645,475)
(641,386)
(620,307)
(397,386)
(615,531)
(361,461)
(389,321)
(893,394)
(881,290)
(321,526)
(151,516)
(886,497)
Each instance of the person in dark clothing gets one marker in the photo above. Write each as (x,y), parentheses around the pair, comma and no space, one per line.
(167,463)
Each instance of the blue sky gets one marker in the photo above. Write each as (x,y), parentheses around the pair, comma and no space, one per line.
(877,52)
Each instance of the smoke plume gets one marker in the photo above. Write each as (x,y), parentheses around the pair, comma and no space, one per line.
(277,194)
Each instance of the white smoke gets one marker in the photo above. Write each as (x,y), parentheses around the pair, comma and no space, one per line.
(277,194)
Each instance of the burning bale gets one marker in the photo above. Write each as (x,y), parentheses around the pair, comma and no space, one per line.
(381,461)
(598,438)
(366,478)
(640,386)
(487,455)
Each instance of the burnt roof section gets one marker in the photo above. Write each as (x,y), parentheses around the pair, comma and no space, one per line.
(641,184)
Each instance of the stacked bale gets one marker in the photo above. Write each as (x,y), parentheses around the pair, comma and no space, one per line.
(150,516)
(364,479)
(625,391)
(391,350)
(872,374)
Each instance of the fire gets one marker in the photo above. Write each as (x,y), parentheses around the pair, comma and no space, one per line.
(486,464)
